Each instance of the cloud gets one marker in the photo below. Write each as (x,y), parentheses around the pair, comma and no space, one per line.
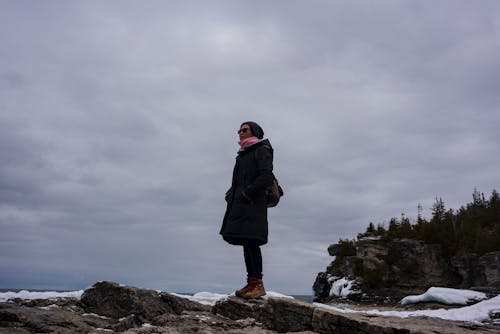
(117,131)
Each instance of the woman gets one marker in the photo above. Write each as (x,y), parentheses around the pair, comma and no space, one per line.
(245,221)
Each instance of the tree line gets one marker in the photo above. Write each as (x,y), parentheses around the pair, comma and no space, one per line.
(474,228)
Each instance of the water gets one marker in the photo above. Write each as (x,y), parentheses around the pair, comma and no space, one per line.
(304,298)
(33,290)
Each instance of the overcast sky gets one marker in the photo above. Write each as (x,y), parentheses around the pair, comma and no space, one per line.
(118,128)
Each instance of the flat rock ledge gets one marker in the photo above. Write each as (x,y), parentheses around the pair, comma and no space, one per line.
(110,307)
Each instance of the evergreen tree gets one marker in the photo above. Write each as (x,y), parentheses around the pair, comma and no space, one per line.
(405,227)
(474,228)
(478,198)
(394,229)
(494,202)
(419,214)
(370,228)
(438,210)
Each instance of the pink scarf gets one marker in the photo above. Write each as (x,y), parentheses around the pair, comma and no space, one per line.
(247,142)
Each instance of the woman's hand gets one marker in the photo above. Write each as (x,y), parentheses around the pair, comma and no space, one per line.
(244,198)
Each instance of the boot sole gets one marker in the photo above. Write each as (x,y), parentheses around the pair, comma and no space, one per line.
(256,297)
(239,294)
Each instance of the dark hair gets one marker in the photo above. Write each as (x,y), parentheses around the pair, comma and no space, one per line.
(255,128)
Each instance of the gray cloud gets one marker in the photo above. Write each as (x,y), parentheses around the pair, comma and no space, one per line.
(117,130)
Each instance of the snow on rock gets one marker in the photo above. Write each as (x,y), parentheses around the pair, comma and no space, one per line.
(272,294)
(49,307)
(477,313)
(485,310)
(205,298)
(208,298)
(341,287)
(30,295)
(97,316)
(445,296)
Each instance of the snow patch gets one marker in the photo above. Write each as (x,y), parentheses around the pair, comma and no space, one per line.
(477,313)
(30,295)
(373,238)
(341,287)
(208,298)
(205,298)
(272,294)
(95,315)
(202,318)
(445,296)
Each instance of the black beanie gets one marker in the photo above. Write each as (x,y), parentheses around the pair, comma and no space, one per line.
(256,129)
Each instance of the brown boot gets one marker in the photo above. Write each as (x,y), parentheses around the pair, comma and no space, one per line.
(243,290)
(255,289)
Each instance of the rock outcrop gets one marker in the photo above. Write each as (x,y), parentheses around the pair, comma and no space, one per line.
(109,307)
(116,301)
(285,315)
(392,269)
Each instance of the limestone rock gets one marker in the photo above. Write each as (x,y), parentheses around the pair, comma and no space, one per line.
(166,314)
(283,315)
(322,286)
(332,322)
(480,272)
(49,319)
(337,249)
(393,269)
(238,308)
(277,314)
(490,263)
(288,315)
(327,321)
(116,301)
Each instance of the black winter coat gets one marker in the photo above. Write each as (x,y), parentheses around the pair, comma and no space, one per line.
(246,215)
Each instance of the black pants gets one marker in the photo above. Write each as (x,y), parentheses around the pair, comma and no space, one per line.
(253,260)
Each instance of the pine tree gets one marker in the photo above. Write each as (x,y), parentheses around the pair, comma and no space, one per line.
(419,214)
(405,227)
(394,228)
(438,210)
(370,228)
(494,199)
(474,228)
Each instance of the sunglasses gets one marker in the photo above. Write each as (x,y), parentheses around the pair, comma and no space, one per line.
(243,130)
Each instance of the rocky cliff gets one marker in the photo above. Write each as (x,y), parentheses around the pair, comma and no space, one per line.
(110,307)
(380,270)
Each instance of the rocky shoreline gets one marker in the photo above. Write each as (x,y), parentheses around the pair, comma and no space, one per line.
(384,271)
(110,307)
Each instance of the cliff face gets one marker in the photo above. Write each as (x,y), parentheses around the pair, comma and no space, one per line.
(396,268)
